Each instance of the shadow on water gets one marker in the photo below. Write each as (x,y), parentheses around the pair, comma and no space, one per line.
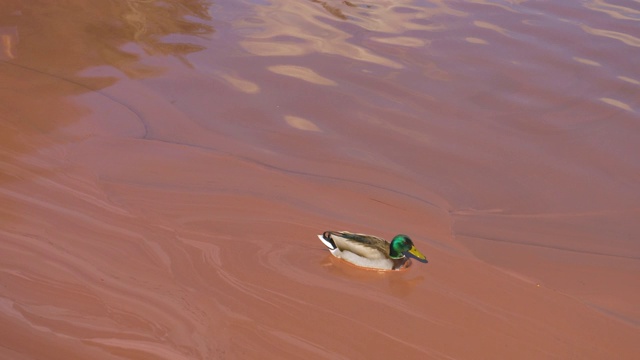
(50,51)
(67,38)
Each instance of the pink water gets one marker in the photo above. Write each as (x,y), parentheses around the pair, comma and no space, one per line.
(165,167)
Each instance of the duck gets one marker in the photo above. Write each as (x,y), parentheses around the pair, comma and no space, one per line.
(370,251)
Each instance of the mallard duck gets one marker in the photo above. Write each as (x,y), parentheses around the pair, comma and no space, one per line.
(370,251)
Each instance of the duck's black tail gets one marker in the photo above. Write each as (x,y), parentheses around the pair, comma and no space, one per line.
(327,240)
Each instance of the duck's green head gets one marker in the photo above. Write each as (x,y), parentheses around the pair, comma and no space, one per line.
(401,244)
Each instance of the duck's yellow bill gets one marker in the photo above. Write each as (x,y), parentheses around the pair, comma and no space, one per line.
(417,253)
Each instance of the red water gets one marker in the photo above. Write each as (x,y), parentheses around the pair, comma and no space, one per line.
(165,167)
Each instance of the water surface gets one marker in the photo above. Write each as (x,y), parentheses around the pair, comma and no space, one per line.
(166,166)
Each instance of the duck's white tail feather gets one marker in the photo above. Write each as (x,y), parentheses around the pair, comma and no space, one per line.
(331,245)
(327,242)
